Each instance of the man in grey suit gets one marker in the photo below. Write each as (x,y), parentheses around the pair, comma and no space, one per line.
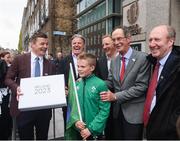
(128,76)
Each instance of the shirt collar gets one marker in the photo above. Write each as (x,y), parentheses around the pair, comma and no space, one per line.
(164,59)
(128,53)
(74,56)
(33,56)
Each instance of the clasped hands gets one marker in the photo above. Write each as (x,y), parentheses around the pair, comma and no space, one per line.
(85,133)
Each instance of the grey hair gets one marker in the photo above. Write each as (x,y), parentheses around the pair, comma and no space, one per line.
(171,32)
(78,36)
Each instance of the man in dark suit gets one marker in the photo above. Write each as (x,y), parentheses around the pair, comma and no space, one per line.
(78,45)
(103,66)
(110,53)
(162,106)
(24,66)
(128,76)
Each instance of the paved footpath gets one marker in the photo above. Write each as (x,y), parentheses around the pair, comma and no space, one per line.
(59,126)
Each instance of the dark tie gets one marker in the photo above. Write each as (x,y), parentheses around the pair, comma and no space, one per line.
(37,67)
(150,94)
(122,68)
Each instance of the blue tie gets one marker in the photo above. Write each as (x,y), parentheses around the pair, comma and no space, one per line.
(37,67)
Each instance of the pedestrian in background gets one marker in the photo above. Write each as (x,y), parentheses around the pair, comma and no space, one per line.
(59,57)
(5,117)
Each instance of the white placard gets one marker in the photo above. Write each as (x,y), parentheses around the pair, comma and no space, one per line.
(42,92)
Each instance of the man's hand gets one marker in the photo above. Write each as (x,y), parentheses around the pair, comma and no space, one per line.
(85,133)
(18,93)
(80,125)
(108,96)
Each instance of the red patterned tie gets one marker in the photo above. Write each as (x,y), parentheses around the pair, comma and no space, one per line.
(122,68)
(150,94)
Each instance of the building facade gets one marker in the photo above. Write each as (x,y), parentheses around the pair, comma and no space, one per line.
(99,17)
(56,18)
(140,16)
(96,18)
(60,19)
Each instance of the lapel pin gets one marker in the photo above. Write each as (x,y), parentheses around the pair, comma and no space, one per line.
(133,60)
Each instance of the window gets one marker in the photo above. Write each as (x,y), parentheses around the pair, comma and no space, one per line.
(46,8)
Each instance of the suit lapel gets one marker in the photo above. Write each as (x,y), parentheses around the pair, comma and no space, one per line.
(105,64)
(117,66)
(45,67)
(70,60)
(28,63)
(166,74)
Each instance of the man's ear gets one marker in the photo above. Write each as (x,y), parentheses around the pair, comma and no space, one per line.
(171,42)
(129,39)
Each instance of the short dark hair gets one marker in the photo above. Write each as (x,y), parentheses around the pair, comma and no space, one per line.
(38,35)
(4,54)
(89,57)
(125,29)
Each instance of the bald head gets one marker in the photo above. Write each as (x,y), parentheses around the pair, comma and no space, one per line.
(171,33)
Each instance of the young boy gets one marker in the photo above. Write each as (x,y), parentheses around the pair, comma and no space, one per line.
(94,111)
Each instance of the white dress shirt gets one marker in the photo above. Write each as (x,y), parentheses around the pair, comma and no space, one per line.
(75,63)
(162,63)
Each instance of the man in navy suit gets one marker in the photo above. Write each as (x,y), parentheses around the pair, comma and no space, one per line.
(161,115)
(23,66)
(103,66)
(104,61)
(78,45)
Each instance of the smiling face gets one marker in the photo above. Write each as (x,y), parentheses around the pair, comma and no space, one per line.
(120,41)
(39,46)
(159,42)
(84,68)
(108,46)
(77,45)
(7,58)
